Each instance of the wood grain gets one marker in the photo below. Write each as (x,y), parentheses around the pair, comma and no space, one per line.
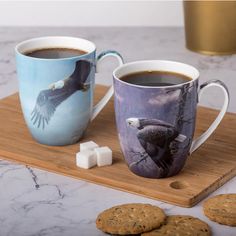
(205,171)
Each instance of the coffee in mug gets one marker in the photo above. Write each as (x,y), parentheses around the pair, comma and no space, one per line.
(155,78)
(55,53)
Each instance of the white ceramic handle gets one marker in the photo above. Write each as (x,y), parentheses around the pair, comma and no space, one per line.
(200,140)
(110,92)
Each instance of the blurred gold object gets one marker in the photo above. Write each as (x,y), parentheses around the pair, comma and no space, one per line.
(210,26)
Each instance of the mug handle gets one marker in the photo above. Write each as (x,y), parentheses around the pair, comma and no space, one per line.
(200,140)
(100,105)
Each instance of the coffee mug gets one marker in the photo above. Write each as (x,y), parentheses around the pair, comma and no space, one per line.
(56,95)
(156,123)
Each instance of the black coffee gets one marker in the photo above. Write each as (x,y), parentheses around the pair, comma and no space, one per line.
(155,78)
(55,53)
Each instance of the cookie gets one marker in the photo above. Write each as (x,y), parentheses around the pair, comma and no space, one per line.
(128,219)
(181,225)
(221,209)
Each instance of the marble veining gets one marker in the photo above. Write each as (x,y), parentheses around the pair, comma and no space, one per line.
(38,203)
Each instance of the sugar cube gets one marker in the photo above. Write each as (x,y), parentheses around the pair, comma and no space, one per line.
(86,159)
(88,146)
(104,156)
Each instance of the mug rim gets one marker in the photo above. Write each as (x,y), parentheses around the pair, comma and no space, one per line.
(195,72)
(63,40)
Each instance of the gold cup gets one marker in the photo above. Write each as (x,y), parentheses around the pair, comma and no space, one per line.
(210,26)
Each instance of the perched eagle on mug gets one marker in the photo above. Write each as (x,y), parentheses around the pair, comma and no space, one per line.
(48,100)
(156,138)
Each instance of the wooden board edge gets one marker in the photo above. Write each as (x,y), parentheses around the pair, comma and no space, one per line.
(213,187)
(7,156)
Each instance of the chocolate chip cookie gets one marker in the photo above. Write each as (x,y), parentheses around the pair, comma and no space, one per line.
(128,219)
(180,225)
(221,208)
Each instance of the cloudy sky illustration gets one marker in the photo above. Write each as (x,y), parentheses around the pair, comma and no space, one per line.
(164,98)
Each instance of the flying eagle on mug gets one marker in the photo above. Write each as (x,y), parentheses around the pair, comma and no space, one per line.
(49,99)
(156,138)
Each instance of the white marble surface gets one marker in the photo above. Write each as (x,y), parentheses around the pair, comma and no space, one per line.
(39,203)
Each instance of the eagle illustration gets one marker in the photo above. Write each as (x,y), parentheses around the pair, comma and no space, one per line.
(48,100)
(158,139)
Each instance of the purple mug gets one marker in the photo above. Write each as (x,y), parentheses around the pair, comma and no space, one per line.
(156,124)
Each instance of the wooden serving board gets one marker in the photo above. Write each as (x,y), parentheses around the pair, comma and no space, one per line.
(205,171)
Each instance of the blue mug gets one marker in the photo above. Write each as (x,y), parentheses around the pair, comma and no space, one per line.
(56,95)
